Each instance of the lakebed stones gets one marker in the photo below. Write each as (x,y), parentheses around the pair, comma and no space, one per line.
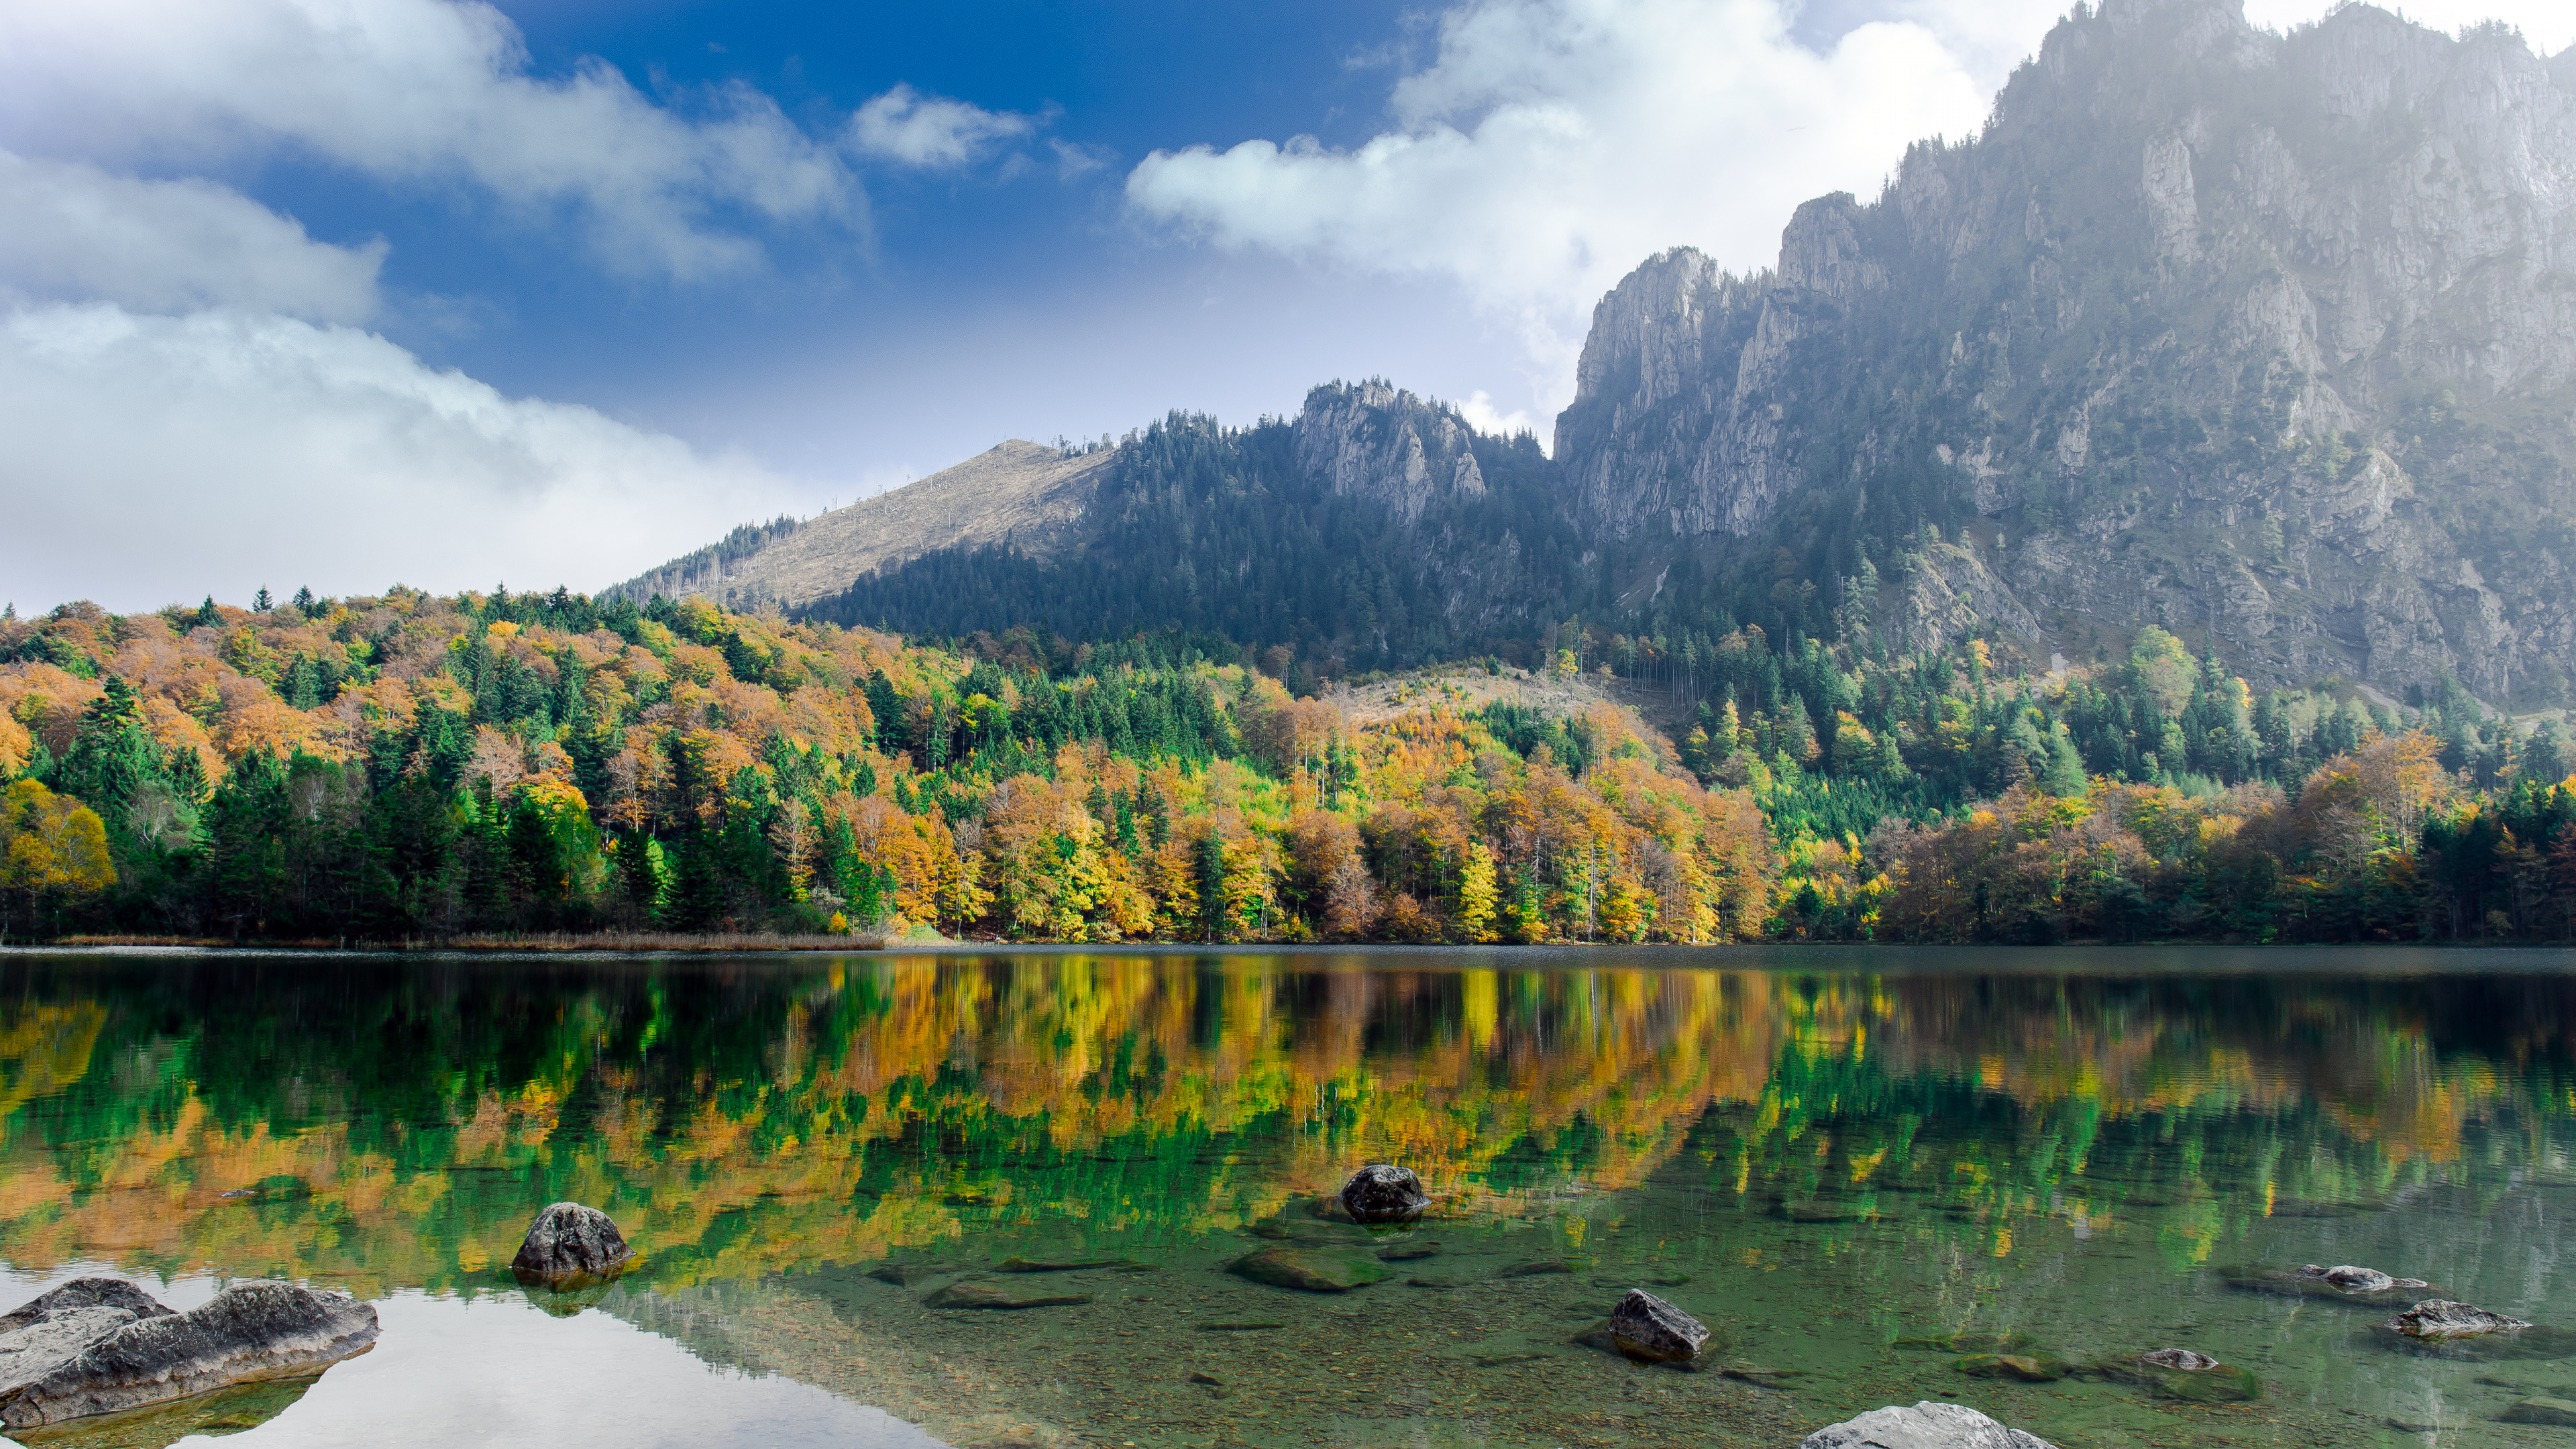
(1313,1270)
(571,1246)
(1644,1326)
(1384,1193)
(1927,1425)
(2440,1318)
(96,1351)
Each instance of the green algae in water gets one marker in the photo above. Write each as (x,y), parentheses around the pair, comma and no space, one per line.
(1876,1185)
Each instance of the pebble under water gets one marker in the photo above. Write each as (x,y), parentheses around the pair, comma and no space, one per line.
(1031,1199)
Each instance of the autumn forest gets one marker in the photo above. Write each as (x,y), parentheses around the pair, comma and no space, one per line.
(421,768)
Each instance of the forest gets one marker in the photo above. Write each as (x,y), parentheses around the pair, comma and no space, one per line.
(417,768)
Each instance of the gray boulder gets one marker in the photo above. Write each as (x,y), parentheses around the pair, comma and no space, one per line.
(100,1356)
(2442,1318)
(570,1245)
(1384,1193)
(84,1293)
(2185,1359)
(1927,1425)
(1645,1326)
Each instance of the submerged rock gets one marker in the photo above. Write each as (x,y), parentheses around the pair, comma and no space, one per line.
(2182,1373)
(1408,1252)
(1645,1326)
(1535,1268)
(2344,1284)
(905,1275)
(1313,1270)
(971,1293)
(570,1244)
(1384,1193)
(2557,1413)
(2441,1318)
(2028,1368)
(1069,1265)
(2360,1280)
(1927,1425)
(92,1354)
(1974,1341)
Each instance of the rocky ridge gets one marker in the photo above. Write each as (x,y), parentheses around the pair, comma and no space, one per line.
(2215,328)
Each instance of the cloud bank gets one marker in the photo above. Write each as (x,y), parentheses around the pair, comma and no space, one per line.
(414,91)
(153,457)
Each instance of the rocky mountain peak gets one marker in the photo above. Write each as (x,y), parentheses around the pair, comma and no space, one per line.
(1373,441)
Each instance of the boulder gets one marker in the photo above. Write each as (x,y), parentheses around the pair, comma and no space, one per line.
(1384,1193)
(84,1293)
(2184,1359)
(1927,1425)
(100,1356)
(1646,1327)
(1311,1269)
(2442,1318)
(569,1245)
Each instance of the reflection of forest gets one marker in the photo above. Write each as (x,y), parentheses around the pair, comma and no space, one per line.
(394,1123)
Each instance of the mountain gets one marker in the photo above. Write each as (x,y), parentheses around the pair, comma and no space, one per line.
(1024,494)
(2267,340)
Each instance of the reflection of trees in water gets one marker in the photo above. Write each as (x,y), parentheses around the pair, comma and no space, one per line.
(396,1123)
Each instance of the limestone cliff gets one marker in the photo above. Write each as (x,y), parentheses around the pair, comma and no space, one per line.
(2272,337)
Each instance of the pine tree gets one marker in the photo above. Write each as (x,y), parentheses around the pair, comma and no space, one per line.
(260,603)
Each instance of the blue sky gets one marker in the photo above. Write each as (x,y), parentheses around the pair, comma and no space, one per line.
(345,292)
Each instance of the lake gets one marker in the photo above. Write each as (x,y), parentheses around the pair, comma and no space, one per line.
(1873,1172)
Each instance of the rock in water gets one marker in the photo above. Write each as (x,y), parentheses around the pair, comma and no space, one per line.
(1384,1193)
(2187,1360)
(2557,1413)
(2441,1318)
(84,1293)
(1645,1326)
(2029,1368)
(1312,1270)
(2360,1280)
(1925,1426)
(569,1245)
(248,1332)
(971,1294)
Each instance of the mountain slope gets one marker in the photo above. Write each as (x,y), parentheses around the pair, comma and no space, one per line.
(1025,494)
(2264,338)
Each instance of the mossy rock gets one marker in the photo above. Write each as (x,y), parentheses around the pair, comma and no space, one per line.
(2028,1368)
(973,1293)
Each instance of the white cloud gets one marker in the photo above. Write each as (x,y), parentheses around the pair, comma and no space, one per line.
(1553,144)
(222,451)
(417,90)
(170,246)
(1487,416)
(932,132)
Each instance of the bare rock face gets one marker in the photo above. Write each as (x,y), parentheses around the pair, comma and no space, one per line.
(1391,447)
(2442,1318)
(79,1358)
(1384,1193)
(570,1245)
(1645,1326)
(2339,326)
(1927,1425)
